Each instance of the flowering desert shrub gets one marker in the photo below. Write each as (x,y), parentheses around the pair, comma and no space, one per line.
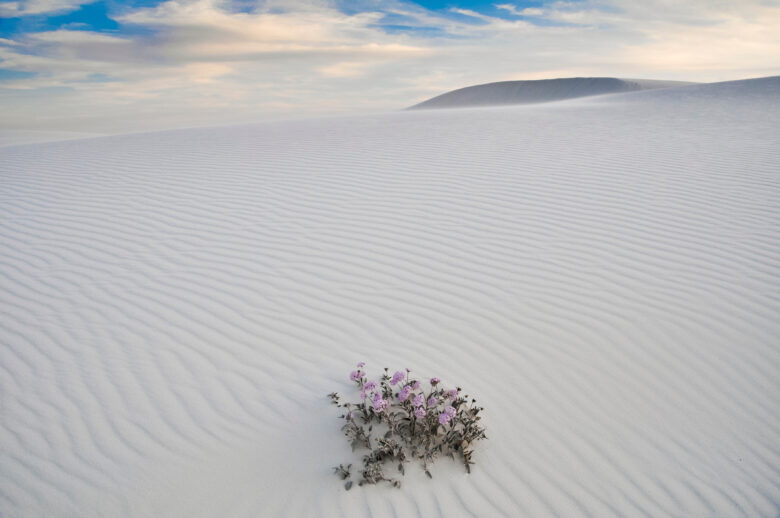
(398,421)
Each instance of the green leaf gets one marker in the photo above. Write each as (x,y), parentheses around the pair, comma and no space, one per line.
(348,485)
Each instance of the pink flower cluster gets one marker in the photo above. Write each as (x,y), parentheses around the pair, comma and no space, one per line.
(378,402)
(358,374)
(419,404)
(446,416)
(369,386)
(404,394)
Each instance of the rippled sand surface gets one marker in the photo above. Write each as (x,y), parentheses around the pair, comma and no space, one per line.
(603,276)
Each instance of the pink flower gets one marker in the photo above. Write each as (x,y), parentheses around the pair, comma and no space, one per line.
(398,376)
(446,416)
(361,365)
(416,385)
(379,403)
(431,402)
(355,375)
(404,394)
(419,400)
(452,394)
(419,413)
(435,381)
(370,385)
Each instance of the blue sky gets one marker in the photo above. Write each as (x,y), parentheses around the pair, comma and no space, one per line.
(113,65)
(100,15)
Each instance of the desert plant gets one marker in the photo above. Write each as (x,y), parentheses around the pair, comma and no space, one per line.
(398,421)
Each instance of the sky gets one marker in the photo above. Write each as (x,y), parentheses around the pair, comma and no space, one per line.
(109,66)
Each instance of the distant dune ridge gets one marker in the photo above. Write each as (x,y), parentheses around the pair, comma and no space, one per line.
(602,275)
(539,91)
(763,89)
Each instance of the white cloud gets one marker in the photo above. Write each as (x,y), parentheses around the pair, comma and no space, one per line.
(528,11)
(470,13)
(344,69)
(77,37)
(28,7)
(744,44)
(201,28)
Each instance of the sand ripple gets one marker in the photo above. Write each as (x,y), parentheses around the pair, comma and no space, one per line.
(605,278)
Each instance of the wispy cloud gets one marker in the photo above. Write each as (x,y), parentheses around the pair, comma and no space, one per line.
(527,11)
(30,7)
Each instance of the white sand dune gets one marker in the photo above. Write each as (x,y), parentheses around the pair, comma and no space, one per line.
(603,277)
(763,91)
(539,91)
